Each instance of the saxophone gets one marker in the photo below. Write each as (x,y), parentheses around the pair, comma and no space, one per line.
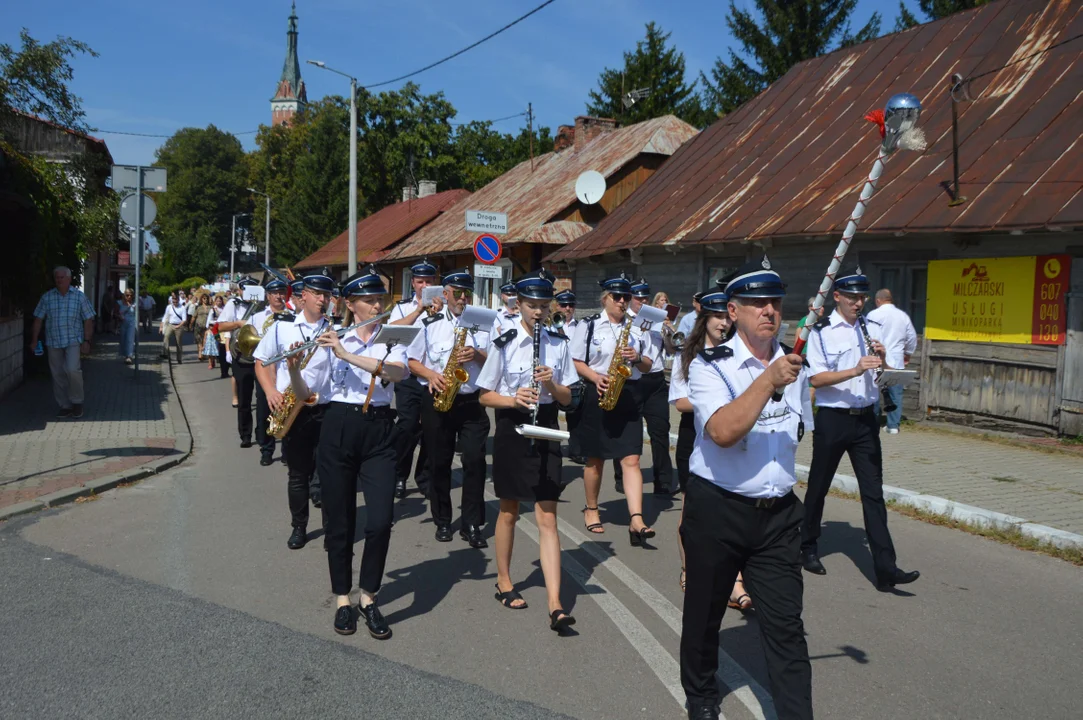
(618,371)
(279,423)
(454,375)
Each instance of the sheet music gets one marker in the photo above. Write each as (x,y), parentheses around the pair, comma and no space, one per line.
(902,378)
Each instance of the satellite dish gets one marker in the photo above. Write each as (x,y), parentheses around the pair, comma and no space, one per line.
(590,187)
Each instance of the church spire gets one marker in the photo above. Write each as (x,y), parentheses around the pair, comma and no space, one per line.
(290,94)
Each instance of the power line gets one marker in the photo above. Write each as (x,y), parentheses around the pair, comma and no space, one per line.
(460,52)
(509,117)
(120,132)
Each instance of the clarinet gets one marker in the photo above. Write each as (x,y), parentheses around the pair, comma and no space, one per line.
(889,406)
(534,377)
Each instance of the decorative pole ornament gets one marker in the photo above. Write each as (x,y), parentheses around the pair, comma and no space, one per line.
(897,123)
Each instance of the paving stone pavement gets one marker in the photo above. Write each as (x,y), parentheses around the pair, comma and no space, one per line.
(127,423)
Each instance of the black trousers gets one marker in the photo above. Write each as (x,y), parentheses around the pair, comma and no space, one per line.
(723,536)
(300,452)
(354,448)
(468,423)
(686,442)
(653,396)
(410,396)
(263,411)
(838,432)
(223,363)
(245,374)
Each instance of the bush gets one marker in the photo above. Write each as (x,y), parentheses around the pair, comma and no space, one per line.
(161,293)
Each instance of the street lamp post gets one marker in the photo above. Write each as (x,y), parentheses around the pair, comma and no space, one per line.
(266,227)
(233,242)
(351,265)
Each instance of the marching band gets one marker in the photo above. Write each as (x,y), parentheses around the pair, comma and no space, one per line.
(353,391)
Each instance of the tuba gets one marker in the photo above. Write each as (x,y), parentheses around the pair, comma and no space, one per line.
(618,371)
(454,375)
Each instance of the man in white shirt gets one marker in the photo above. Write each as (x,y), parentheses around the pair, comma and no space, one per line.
(842,367)
(507,317)
(900,341)
(146,309)
(173,326)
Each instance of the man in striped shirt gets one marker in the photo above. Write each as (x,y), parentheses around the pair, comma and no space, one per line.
(69,326)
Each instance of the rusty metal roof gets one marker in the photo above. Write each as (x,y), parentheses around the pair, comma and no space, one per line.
(380,231)
(532,199)
(790,162)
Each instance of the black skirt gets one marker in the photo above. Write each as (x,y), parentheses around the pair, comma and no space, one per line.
(608,434)
(518,472)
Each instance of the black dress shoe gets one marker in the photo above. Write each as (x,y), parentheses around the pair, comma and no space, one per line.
(703,712)
(619,486)
(400,489)
(812,563)
(896,577)
(317,500)
(664,491)
(374,621)
(298,538)
(345,622)
(472,535)
(443,533)
(266,459)
(246,443)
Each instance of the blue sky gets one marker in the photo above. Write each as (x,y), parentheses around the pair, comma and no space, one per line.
(167,65)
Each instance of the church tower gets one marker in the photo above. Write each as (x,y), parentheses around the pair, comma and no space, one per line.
(291,94)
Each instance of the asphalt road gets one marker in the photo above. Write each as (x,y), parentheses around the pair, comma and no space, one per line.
(178,597)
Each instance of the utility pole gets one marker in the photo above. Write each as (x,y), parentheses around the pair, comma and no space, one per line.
(232,247)
(138,257)
(267,235)
(530,129)
(351,264)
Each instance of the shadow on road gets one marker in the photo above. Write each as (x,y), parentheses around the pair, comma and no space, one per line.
(430,581)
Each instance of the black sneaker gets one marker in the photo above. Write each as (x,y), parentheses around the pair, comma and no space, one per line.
(64,413)
(77,410)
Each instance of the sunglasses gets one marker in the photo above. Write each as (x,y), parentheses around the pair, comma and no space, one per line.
(621,296)
(460,294)
(567,305)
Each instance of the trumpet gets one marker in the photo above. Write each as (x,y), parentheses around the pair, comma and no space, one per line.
(314,341)
(557,321)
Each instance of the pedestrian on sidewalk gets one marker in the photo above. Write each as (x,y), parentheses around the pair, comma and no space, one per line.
(190,305)
(202,312)
(844,351)
(211,343)
(69,329)
(146,309)
(126,313)
(900,341)
(173,326)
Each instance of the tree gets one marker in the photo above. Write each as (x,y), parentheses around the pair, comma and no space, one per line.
(483,154)
(906,18)
(34,80)
(934,10)
(207,186)
(791,31)
(653,66)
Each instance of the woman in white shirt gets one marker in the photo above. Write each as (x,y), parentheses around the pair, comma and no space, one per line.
(526,470)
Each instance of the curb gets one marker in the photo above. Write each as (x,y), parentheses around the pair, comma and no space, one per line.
(958,511)
(108,482)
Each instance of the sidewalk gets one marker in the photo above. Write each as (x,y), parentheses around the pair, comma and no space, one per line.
(132,426)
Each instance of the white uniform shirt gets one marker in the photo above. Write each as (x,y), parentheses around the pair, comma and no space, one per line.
(234,310)
(897,334)
(656,351)
(678,385)
(602,343)
(174,314)
(760,465)
(281,336)
(510,367)
(432,347)
(263,317)
(505,321)
(350,384)
(838,347)
(403,308)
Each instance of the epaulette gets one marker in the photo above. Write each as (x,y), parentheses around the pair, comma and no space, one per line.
(716,353)
(285,317)
(504,339)
(872,321)
(403,302)
(592,318)
(822,323)
(558,334)
(430,320)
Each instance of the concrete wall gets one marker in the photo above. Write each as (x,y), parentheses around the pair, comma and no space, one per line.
(11,354)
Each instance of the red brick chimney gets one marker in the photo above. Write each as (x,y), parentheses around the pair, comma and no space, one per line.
(588,128)
(565,138)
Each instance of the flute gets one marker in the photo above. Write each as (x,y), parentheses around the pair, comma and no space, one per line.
(341,332)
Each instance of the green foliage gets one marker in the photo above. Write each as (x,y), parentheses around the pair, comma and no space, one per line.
(937,9)
(34,80)
(906,18)
(161,291)
(657,67)
(207,186)
(781,34)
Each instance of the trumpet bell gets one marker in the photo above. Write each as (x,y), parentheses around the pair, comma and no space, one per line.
(244,344)
(557,321)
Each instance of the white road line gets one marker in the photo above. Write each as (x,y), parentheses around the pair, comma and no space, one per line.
(751,694)
(654,655)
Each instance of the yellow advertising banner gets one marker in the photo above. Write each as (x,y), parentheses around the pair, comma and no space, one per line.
(1005,300)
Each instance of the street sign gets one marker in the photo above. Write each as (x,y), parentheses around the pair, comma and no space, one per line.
(487,222)
(488,271)
(487,249)
(129,210)
(126,177)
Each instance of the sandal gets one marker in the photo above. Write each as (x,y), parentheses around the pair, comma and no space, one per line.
(558,620)
(595,528)
(507,598)
(637,537)
(684,580)
(742,603)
